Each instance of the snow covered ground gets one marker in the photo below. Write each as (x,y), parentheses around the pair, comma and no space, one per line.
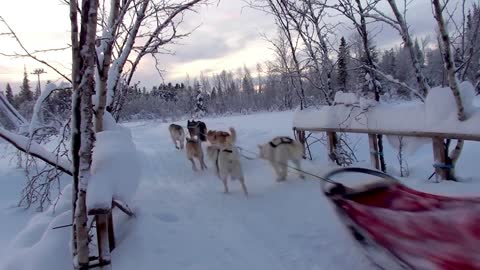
(184,221)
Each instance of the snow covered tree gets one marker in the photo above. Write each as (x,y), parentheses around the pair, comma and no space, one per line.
(9,94)
(388,64)
(248,89)
(26,93)
(200,109)
(342,64)
(419,54)
(247,82)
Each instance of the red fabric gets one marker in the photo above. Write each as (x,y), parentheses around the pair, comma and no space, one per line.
(425,231)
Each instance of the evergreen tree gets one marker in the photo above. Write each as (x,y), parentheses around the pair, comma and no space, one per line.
(200,110)
(343,55)
(247,83)
(419,53)
(9,94)
(388,63)
(26,93)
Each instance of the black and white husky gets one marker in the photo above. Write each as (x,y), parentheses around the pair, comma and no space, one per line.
(279,151)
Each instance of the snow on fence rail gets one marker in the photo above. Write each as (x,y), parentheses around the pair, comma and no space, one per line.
(435,119)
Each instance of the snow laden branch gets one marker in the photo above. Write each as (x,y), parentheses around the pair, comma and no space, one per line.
(132,28)
(36,123)
(25,145)
(395,81)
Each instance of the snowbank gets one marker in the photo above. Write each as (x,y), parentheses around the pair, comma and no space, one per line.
(32,247)
(115,166)
(345,98)
(438,114)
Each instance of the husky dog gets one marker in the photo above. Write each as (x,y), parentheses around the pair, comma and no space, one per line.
(197,128)
(279,151)
(177,134)
(227,163)
(222,138)
(194,150)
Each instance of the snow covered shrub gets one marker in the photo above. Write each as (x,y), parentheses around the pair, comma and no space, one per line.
(115,166)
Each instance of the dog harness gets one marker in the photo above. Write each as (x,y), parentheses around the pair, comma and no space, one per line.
(280,140)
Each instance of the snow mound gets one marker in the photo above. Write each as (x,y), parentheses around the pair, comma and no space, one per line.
(440,103)
(345,98)
(115,170)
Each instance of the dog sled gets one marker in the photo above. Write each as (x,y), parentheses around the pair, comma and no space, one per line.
(401,228)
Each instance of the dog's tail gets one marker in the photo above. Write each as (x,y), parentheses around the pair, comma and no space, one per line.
(233,136)
(298,150)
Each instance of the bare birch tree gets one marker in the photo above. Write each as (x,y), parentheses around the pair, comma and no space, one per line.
(357,14)
(280,10)
(449,65)
(400,24)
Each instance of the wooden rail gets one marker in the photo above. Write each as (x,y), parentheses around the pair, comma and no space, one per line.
(421,134)
(443,166)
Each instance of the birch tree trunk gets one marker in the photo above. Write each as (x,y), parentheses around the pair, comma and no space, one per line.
(104,55)
(75,142)
(445,47)
(362,29)
(83,69)
(450,69)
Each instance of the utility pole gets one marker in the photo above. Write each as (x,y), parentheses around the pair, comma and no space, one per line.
(37,72)
(38,92)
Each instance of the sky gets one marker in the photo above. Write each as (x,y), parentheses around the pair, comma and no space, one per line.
(229,36)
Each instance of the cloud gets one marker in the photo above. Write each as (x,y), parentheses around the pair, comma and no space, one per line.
(228,37)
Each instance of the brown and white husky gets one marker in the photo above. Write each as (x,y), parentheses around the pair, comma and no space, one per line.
(178,135)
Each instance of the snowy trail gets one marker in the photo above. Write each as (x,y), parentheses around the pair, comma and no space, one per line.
(185,221)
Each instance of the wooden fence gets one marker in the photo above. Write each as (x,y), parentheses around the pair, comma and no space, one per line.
(441,164)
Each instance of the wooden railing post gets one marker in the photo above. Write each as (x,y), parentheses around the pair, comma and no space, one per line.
(111,234)
(332,146)
(103,240)
(440,159)
(300,136)
(374,153)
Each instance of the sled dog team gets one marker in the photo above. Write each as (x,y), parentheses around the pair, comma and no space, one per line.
(223,153)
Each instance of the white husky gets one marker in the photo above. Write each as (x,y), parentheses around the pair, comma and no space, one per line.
(227,163)
(279,151)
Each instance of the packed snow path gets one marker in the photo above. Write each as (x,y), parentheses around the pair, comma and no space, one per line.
(184,221)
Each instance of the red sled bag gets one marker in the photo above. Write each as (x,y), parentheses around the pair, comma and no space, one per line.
(401,228)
